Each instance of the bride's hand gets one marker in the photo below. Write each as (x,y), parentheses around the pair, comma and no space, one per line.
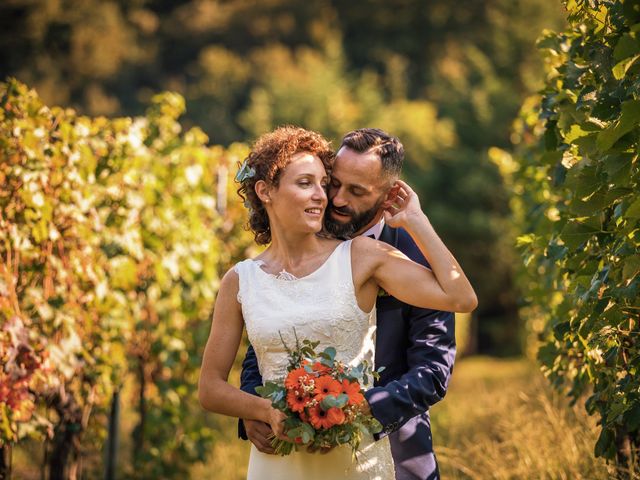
(405,208)
(276,421)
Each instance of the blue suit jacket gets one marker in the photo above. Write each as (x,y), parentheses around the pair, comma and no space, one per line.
(417,348)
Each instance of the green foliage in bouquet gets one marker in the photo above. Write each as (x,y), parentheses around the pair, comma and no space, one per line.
(322,398)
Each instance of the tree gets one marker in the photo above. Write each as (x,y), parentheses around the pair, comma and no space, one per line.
(113,237)
(575,185)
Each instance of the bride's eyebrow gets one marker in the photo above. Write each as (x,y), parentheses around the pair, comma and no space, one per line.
(312,175)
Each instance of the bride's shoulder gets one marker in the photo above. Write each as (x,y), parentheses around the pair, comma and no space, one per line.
(369,251)
(368,245)
(231,278)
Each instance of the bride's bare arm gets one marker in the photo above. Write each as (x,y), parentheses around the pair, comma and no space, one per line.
(214,391)
(444,287)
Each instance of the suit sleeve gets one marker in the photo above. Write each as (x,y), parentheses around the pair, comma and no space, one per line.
(430,360)
(250,378)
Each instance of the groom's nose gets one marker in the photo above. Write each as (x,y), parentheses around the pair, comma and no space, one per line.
(336,198)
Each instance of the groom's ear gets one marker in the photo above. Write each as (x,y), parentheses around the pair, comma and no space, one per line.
(263,191)
(391,196)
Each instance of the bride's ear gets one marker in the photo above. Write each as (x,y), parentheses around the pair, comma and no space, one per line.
(263,191)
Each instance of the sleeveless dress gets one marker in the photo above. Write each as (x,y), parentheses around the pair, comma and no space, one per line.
(321,307)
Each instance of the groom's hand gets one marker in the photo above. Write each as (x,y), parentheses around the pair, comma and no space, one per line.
(405,207)
(259,433)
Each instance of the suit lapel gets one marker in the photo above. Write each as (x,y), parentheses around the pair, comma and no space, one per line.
(389,235)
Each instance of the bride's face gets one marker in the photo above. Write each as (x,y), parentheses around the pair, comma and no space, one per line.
(299,201)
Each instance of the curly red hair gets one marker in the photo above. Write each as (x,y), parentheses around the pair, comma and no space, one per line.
(269,156)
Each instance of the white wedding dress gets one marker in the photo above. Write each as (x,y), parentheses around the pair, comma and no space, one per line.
(321,307)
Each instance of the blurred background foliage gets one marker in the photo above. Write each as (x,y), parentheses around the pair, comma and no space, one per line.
(446,77)
(147,201)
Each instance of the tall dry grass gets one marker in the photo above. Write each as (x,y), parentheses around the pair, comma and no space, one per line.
(501,420)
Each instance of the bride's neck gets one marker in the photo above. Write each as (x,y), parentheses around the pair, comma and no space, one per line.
(291,250)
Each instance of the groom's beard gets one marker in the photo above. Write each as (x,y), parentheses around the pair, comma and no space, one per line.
(357,222)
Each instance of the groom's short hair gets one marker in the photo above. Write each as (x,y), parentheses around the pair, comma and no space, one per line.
(388,147)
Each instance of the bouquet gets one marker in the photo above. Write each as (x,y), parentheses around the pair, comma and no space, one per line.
(322,398)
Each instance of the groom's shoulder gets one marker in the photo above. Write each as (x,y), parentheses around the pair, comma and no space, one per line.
(402,241)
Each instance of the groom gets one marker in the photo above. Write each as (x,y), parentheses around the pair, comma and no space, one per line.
(415,345)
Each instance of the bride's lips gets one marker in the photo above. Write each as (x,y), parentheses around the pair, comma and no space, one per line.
(314,211)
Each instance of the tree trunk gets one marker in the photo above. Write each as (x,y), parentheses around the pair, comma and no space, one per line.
(112,440)
(5,462)
(64,456)
(627,454)
(138,433)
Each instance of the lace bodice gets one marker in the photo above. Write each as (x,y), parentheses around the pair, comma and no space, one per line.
(320,306)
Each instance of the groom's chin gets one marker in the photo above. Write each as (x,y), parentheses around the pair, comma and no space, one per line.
(337,229)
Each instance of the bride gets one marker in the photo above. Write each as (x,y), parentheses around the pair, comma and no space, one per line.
(324,287)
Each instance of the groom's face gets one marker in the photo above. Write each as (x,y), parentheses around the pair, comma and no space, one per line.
(357,191)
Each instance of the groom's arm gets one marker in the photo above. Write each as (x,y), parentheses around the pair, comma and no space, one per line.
(430,360)
(250,378)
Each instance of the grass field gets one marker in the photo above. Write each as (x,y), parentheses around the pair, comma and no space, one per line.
(500,420)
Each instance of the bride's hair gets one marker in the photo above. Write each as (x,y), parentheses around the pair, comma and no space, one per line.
(266,161)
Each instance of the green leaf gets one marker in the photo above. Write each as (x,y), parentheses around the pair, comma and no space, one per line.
(616,194)
(341,400)
(618,167)
(576,233)
(623,66)
(592,204)
(551,158)
(632,417)
(526,239)
(551,136)
(626,47)
(330,352)
(550,40)
(574,133)
(631,267)
(634,210)
(555,252)
(561,329)
(328,402)
(629,119)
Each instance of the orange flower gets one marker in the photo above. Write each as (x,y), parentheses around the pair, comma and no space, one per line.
(320,368)
(319,418)
(296,377)
(325,385)
(352,390)
(297,400)
(336,416)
